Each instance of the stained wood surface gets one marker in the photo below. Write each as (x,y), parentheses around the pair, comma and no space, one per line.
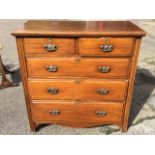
(77,79)
(131,86)
(78,28)
(91,46)
(78,115)
(23,72)
(36,46)
(78,67)
(80,89)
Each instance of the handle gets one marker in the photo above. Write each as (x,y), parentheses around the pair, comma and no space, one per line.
(54,112)
(101,113)
(102,91)
(50,47)
(52,68)
(104,69)
(106,48)
(53,90)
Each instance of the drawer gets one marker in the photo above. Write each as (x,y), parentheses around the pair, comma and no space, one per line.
(54,47)
(106,46)
(82,67)
(80,89)
(84,114)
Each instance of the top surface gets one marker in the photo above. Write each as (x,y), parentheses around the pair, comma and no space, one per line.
(78,28)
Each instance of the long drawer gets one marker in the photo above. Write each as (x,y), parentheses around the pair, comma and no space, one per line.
(53,47)
(80,89)
(78,67)
(111,46)
(84,114)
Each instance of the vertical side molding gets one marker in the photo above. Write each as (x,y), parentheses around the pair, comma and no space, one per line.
(20,46)
(131,84)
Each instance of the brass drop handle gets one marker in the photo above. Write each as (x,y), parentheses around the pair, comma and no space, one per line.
(53,91)
(104,69)
(52,68)
(54,112)
(101,113)
(106,48)
(50,47)
(102,91)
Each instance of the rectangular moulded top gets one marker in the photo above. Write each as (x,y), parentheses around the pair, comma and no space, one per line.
(68,28)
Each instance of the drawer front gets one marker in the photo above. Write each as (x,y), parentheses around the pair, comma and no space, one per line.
(106,46)
(78,115)
(54,47)
(80,89)
(84,67)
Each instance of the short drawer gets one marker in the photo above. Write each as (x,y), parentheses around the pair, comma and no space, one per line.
(84,67)
(54,46)
(80,89)
(84,114)
(110,46)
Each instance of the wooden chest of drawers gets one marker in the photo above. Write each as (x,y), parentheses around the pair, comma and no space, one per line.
(78,73)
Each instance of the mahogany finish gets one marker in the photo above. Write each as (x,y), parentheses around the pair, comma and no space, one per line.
(78,28)
(78,73)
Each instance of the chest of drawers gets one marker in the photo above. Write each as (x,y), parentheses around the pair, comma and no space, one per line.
(78,73)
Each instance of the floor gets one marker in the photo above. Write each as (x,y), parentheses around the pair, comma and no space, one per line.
(13,117)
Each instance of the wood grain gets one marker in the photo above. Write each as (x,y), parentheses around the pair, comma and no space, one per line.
(91,46)
(65,46)
(131,84)
(80,89)
(77,79)
(78,67)
(23,72)
(78,28)
(77,115)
